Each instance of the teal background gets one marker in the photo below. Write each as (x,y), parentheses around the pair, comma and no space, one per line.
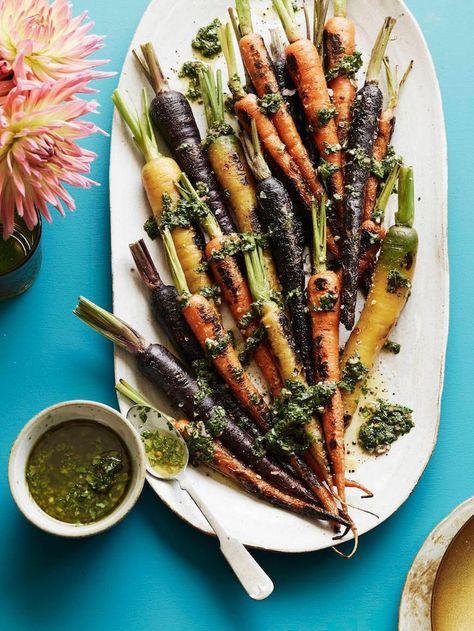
(153,571)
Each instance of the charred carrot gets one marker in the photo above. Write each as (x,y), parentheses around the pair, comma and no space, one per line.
(173,117)
(228,162)
(324,289)
(289,92)
(306,70)
(286,240)
(391,286)
(222,460)
(234,287)
(260,68)
(373,231)
(365,116)
(342,63)
(160,175)
(386,126)
(247,108)
(206,324)
(284,350)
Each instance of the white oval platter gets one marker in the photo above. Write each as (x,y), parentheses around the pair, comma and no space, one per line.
(414,377)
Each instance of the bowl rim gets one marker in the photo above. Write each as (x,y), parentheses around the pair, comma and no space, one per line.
(55,526)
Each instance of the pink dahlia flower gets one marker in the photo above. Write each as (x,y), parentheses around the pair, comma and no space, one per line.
(38,152)
(44,42)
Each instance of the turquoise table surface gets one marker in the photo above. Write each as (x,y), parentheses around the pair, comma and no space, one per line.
(153,571)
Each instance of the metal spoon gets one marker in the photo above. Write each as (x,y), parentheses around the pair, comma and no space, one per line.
(255,581)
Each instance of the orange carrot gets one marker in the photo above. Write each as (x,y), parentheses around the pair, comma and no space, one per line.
(206,324)
(230,279)
(260,68)
(342,64)
(324,289)
(306,70)
(237,295)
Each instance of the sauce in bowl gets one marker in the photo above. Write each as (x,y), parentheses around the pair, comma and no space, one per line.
(79,471)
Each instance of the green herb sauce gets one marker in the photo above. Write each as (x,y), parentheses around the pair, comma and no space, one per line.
(291,410)
(207,39)
(79,471)
(392,347)
(385,423)
(349,65)
(166,453)
(325,114)
(190,70)
(353,372)
(151,228)
(396,282)
(270,103)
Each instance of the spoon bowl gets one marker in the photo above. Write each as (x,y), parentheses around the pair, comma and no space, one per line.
(147,419)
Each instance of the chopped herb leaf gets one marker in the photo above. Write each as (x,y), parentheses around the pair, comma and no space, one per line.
(270,103)
(353,372)
(326,169)
(207,39)
(190,70)
(385,423)
(200,444)
(349,65)
(325,114)
(327,302)
(211,292)
(396,282)
(392,347)
(216,347)
(151,228)
(216,424)
(328,148)
(251,344)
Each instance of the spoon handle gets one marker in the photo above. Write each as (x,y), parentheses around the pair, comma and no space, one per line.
(254,580)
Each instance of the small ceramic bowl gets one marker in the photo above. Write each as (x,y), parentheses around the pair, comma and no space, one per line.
(55,415)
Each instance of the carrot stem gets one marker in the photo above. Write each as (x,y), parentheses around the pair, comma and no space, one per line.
(287,18)
(277,46)
(133,395)
(179,279)
(245,16)
(321,8)
(406,198)
(206,218)
(307,20)
(257,277)
(225,38)
(235,23)
(378,51)
(253,153)
(319,235)
(385,193)
(392,87)
(154,73)
(340,8)
(109,326)
(213,97)
(140,126)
